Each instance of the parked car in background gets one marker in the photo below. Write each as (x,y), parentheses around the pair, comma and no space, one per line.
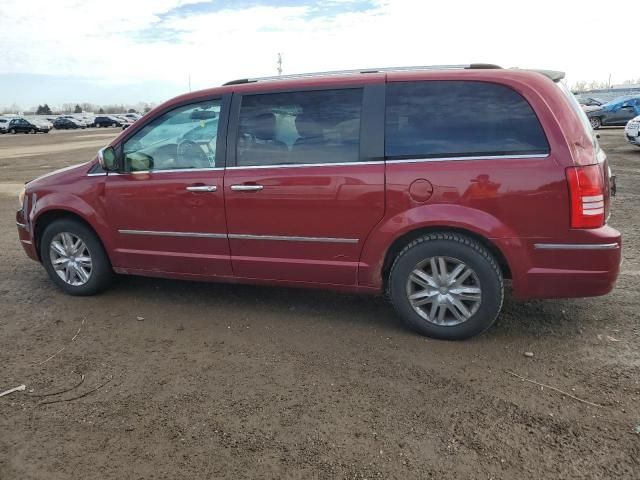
(426,185)
(632,131)
(589,103)
(79,119)
(4,124)
(126,121)
(64,123)
(43,125)
(22,125)
(107,121)
(133,116)
(614,113)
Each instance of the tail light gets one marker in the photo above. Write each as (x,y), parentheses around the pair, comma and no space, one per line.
(586,189)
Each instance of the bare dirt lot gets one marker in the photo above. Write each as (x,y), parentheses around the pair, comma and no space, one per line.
(220,381)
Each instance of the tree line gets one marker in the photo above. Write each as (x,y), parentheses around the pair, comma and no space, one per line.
(66,108)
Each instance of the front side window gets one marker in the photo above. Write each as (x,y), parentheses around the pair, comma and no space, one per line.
(459,119)
(184,138)
(300,128)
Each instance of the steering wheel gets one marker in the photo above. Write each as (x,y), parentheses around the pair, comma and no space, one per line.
(190,155)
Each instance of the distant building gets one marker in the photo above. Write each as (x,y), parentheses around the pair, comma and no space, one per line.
(615,91)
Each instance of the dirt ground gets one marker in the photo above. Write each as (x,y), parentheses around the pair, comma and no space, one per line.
(227,381)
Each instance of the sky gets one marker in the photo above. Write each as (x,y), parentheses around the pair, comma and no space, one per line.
(128,51)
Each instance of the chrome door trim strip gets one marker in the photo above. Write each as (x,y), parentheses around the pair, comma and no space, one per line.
(299,165)
(576,246)
(486,157)
(172,234)
(239,236)
(98,174)
(284,238)
(175,170)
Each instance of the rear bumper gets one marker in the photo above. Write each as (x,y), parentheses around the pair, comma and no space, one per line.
(586,266)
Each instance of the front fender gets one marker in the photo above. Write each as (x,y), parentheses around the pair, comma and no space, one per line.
(89,207)
(436,216)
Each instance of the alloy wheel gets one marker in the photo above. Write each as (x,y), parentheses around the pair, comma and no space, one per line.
(71,259)
(444,291)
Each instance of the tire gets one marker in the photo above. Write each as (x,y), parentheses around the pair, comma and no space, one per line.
(481,292)
(99,275)
(32,131)
(596,122)
(114,124)
(12,131)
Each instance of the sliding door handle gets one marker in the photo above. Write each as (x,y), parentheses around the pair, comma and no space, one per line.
(246,188)
(202,188)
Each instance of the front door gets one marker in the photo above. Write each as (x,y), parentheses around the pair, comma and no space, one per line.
(301,193)
(166,207)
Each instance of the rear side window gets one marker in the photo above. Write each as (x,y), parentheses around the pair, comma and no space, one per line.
(459,119)
(306,127)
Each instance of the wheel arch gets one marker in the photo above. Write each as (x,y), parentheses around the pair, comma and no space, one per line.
(403,240)
(46,218)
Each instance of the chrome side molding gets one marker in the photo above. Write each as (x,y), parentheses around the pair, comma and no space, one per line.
(239,236)
(172,234)
(576,246)
(283,238)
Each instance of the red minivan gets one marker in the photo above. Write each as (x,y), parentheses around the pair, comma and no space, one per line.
(429,184)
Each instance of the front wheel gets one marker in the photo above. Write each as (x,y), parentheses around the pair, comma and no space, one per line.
(447,286)
(596,122)
(12,131)
(74,258)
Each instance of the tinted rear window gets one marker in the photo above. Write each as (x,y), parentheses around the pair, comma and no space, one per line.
(459,118)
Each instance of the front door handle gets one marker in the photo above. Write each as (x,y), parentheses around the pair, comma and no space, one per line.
(202,188)
(246,188)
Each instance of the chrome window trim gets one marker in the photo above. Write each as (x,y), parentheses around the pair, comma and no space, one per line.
(298,165)
(481,157)
(172,234)
(21,225)
(285,238)
(98,174)
(576,246)
(175,170)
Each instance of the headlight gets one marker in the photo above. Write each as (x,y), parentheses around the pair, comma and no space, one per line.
(21,196)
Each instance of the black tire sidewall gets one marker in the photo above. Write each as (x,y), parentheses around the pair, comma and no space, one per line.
(101,274)
(490,282)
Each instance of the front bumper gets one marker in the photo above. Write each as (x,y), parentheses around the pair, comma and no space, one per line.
(586,265)
(26,236)
(632,132)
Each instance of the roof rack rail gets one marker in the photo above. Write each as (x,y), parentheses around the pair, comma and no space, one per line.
(238,82)
(365,70)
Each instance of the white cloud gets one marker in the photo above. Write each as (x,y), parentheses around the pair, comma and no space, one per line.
(102,39)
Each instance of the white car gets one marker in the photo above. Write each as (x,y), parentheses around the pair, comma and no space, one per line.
(632,131)
(4,124)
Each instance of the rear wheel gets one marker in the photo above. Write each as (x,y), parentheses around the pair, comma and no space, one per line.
(12,131)
(74,258)
(447,286)
(596,122)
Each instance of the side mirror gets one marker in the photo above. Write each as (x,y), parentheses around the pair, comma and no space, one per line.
(107,159)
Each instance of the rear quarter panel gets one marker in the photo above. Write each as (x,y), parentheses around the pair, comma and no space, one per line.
(513,202)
